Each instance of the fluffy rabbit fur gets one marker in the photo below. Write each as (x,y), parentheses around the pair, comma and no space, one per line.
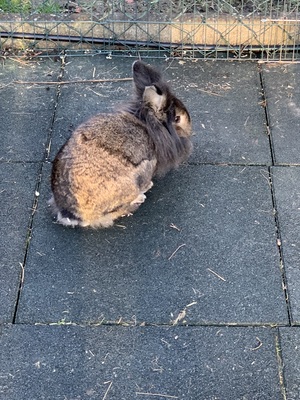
(104,170)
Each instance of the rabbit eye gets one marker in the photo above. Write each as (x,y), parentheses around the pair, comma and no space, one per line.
(177,119)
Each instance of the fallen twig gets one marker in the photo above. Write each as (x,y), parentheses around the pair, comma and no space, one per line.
(71,82)
(208,92)
(174,227)
(278,62)
(182,313)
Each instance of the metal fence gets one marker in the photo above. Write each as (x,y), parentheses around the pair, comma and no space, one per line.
(230,29)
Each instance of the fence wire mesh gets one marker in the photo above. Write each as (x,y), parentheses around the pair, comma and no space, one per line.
(230,29)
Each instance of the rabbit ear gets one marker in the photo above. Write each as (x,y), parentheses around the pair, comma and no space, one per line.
(144,75)
(152,96)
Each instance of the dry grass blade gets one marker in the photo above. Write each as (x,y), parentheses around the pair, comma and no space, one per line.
(217,275)
(258,346)
(167,396)
(108,389)
(174,252)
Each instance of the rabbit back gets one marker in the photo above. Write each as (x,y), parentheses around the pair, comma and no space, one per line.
(103,171)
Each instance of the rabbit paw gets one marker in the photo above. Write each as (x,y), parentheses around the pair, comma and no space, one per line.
(139,200)
(67,220)
(134,205)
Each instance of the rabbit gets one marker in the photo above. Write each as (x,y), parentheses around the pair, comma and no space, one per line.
(104,170)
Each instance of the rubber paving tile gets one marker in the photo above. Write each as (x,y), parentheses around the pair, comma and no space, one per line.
(286,184)
(79,101)
(26,110)
(214,92)
(225,102)
(226,269)
(17,186)
(290,347)
(158,306)
(283,98)
(118,363)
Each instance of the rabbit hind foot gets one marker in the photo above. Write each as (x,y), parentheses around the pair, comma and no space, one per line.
(134,205)
(63,217)
(66,218)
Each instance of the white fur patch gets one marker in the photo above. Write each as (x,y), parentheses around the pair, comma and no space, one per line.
(66,221)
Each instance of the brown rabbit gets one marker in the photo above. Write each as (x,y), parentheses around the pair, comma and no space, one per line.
(104,170)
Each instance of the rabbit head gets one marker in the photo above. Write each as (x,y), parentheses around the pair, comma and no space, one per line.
(165,116)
